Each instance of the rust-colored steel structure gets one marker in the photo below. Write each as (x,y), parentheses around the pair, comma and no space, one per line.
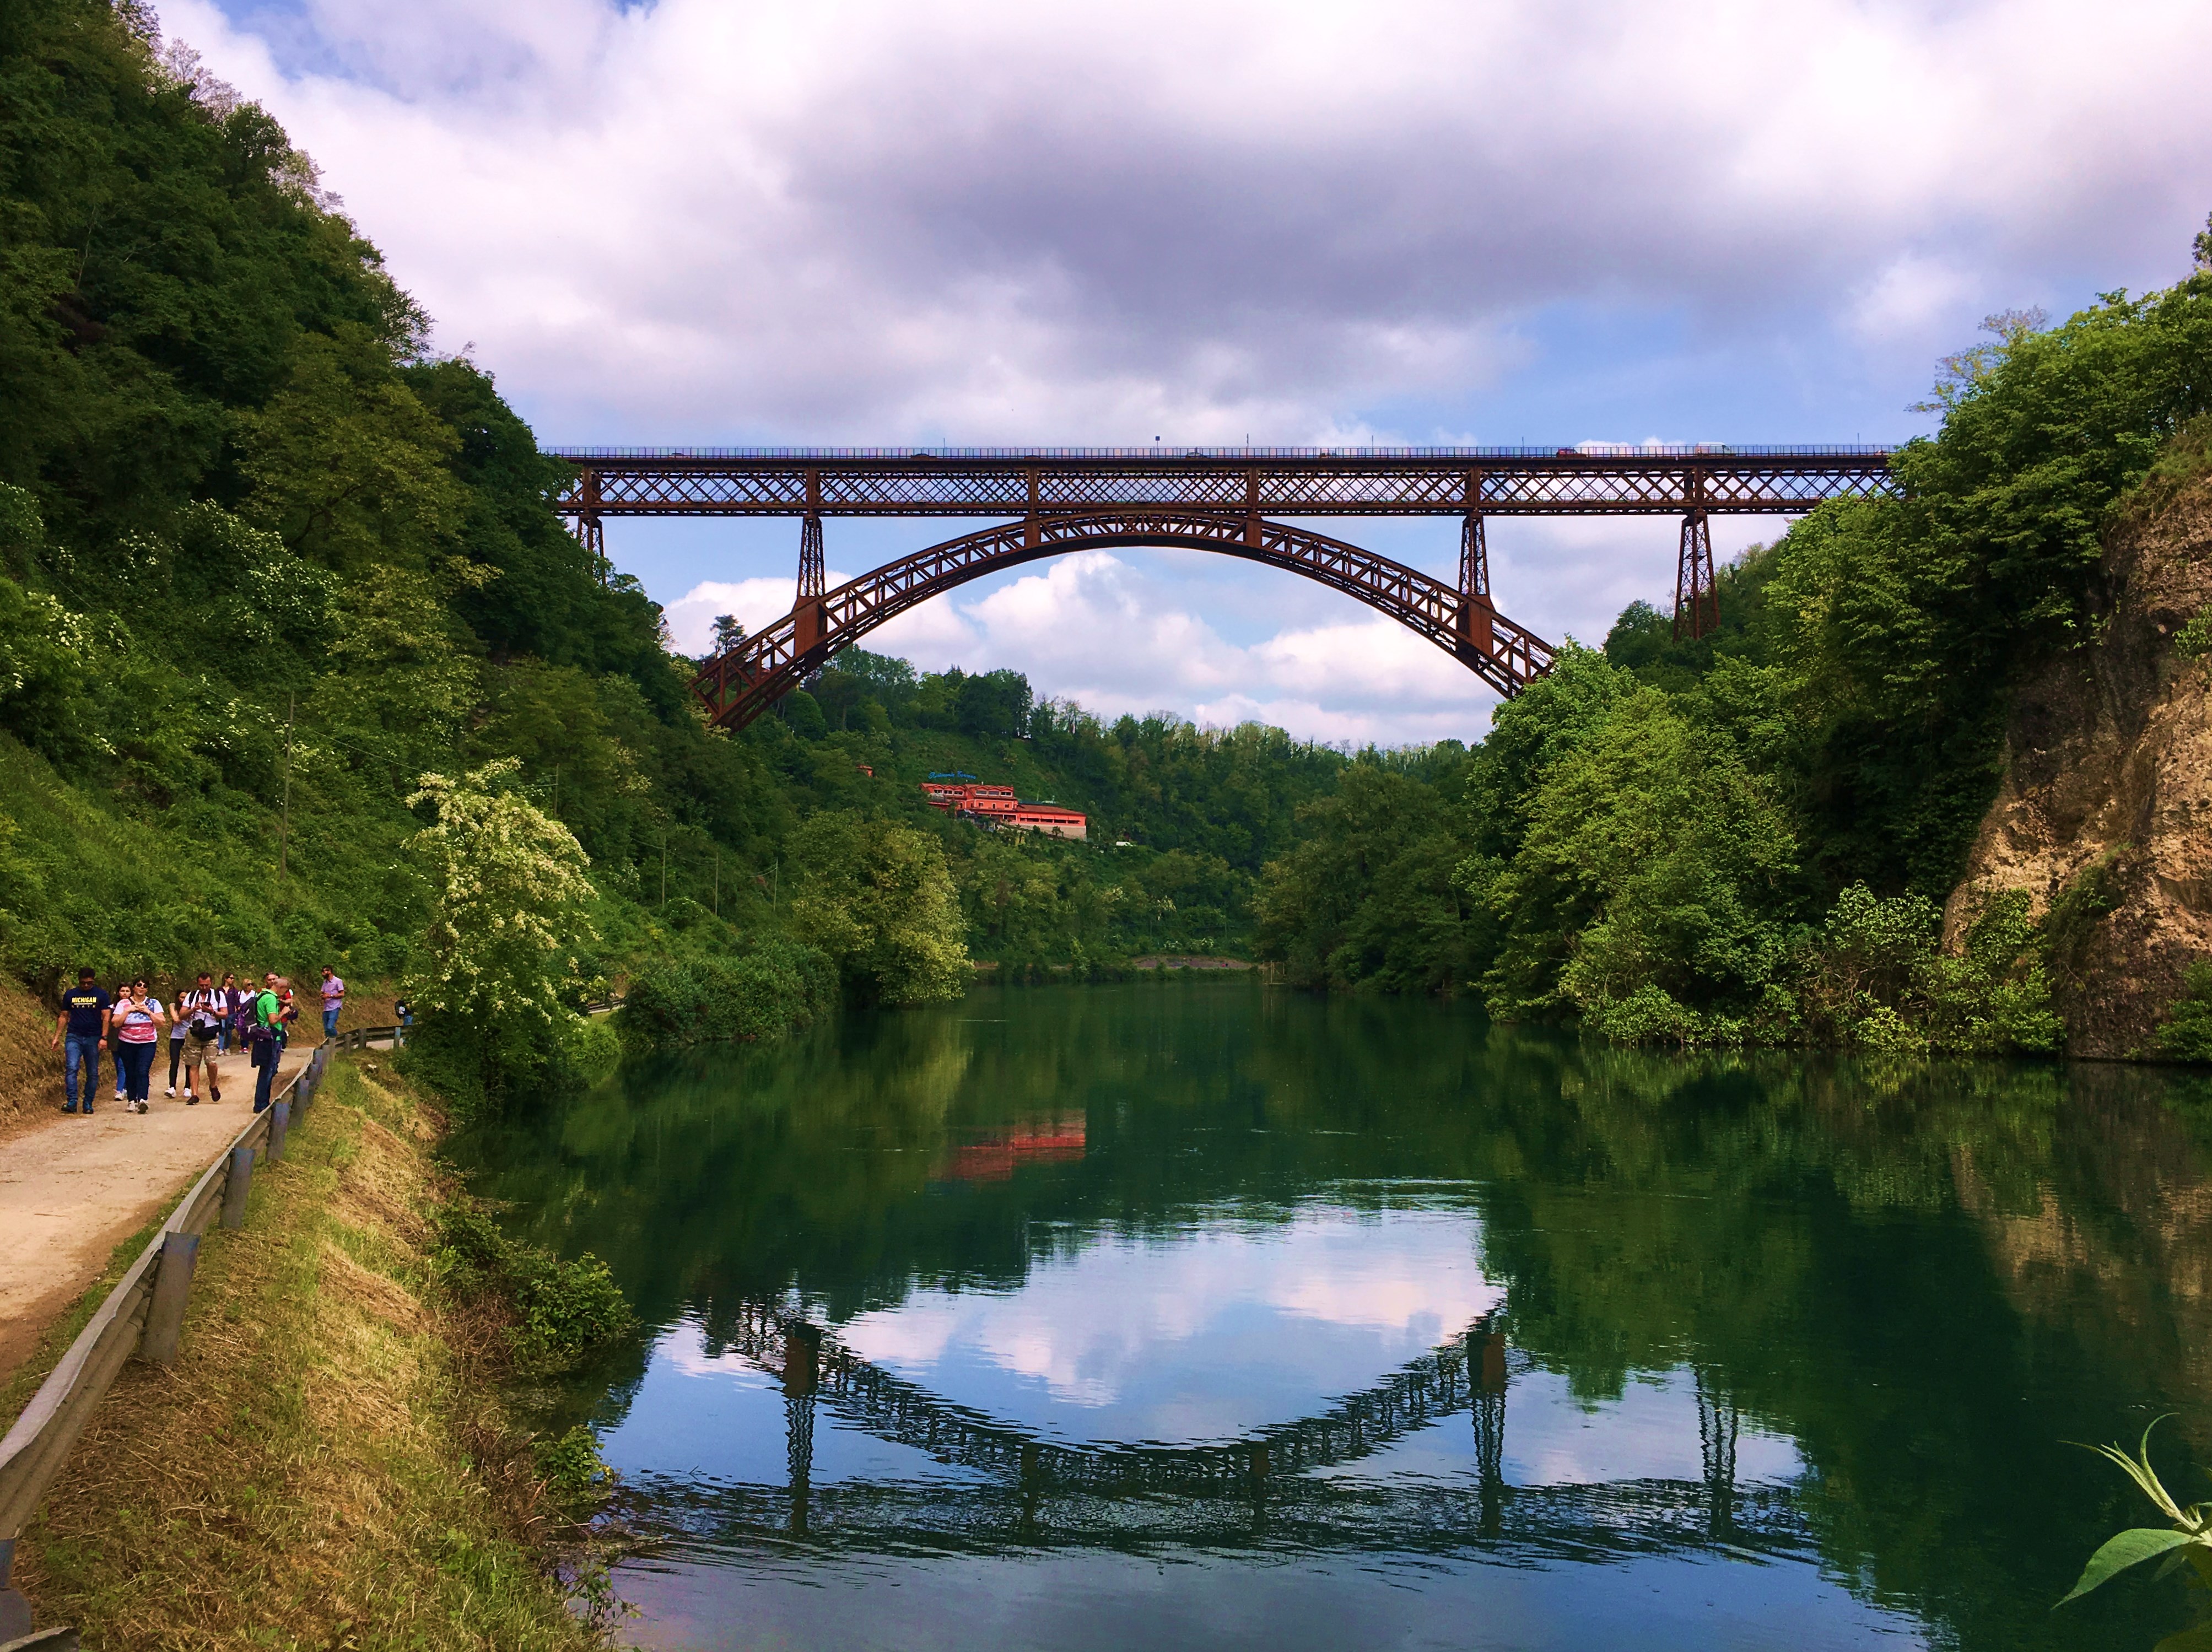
(1226,500)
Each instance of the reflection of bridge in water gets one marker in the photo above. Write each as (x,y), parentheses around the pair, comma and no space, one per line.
(1287,1483)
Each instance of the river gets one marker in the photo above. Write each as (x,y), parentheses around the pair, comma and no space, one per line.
(1208,1315)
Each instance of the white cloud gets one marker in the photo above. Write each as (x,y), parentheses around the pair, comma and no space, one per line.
(690,222)
(991,218)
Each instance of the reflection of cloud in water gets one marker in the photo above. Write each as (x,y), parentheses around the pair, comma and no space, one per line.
(1649,1433)
(1201,1335)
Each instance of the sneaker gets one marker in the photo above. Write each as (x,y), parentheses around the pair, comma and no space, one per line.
(171,1092)
(191,1100)
(138,1107)
(214,1095)
(71,1107)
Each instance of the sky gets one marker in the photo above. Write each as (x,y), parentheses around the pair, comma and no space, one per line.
(705,223)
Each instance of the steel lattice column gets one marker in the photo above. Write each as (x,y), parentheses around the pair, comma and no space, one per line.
(1473,557)
(810,578)
(1474,606)
(1696,594)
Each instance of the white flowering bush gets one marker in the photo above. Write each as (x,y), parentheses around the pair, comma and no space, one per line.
(509,900)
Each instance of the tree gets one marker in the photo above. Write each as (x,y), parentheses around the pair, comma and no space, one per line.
(876,897)
(728,632)
(508,899)
(1367,899)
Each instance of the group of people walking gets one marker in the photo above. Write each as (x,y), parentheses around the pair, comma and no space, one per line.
(202,1022)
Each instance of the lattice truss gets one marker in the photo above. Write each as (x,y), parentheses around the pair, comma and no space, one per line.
(1558,486)
(738,686)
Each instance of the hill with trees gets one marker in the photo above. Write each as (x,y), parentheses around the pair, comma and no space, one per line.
(1756,835)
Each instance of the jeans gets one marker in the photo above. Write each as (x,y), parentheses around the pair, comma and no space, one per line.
(137,1070)
(265,1081)
(330,1020)
(81,1050)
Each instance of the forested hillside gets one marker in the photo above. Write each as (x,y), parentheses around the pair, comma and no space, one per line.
(1752,835)
(268,562)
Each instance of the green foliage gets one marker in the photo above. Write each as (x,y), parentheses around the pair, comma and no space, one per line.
(2194,640)
(570,1465)
(2186,1541)
(1746,836)
(1879,979)
(762,993)
(508,895)
(876,898)
(2187,1034)
(1652,856)
(565,1310)
(1369,900)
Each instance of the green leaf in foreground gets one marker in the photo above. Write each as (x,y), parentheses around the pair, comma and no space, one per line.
(2125,1549)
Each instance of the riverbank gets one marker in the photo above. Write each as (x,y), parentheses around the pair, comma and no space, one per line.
(328,1463)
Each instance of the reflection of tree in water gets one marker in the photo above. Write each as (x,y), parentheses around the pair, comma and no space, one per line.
(1926,1275)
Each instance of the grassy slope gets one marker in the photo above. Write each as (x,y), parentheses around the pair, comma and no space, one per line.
(326,1465)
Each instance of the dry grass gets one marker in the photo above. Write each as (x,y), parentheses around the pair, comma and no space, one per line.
(30,1077)
(327,1464)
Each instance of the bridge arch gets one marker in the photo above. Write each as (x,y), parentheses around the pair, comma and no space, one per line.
(738,686)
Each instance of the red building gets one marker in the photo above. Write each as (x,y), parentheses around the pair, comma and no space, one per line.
(997,805)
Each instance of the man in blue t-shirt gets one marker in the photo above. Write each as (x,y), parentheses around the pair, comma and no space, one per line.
(84,1023)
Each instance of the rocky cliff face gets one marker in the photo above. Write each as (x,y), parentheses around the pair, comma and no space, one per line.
(2106,807)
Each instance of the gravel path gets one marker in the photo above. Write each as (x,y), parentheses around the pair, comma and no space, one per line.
(73,1188)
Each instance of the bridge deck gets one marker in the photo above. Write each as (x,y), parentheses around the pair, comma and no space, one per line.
(1275,482)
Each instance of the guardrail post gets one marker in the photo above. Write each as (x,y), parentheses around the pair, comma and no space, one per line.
(236,1189)
(280,1120)
(172,1285)
(14,1610)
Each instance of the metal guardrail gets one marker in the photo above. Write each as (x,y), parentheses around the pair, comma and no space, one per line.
(143,1316)
(361,1038)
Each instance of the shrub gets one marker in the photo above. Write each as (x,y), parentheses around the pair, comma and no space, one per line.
(760,993)
(567,1308)
(2187,1034)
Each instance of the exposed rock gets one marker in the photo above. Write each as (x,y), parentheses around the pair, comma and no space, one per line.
(2106,805)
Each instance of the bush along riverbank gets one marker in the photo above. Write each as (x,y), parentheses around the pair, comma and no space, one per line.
(337,1459)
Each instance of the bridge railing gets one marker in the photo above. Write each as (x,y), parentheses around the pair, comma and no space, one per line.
(141,1316)
(1165,453)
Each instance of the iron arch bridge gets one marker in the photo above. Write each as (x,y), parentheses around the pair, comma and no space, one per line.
(1272,1485)
(1225,499)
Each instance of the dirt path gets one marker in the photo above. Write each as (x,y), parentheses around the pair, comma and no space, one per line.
(72,1188)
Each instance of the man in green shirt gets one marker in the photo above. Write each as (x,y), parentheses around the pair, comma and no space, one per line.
(267,1035)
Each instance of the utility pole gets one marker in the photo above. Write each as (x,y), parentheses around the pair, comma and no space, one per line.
(718,880)
(284,819)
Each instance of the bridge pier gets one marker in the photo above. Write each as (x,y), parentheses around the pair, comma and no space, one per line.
(1697,595)
(810,576)
(1476,613)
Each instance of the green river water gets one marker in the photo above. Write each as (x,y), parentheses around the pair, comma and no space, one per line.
(1209,1315)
